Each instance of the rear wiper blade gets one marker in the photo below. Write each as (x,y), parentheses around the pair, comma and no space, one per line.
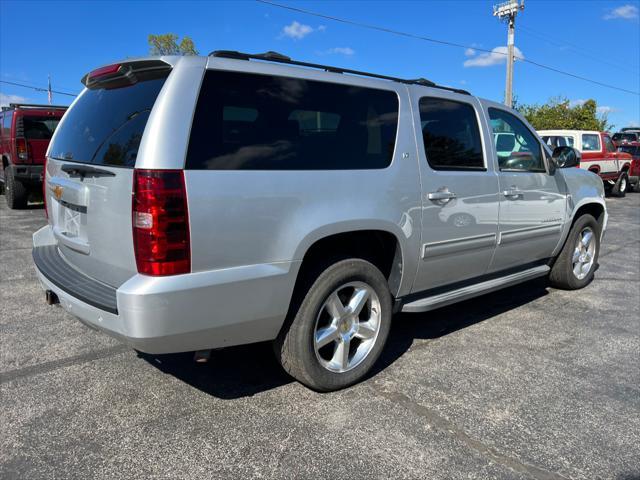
(86,170)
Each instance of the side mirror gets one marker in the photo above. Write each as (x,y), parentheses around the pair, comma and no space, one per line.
(565,157)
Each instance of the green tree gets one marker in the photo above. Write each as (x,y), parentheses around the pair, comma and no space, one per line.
(558,113)
(167,44)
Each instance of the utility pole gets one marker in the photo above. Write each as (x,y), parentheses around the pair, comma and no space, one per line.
(507,11)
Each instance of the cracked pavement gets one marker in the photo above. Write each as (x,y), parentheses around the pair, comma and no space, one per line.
(529,382)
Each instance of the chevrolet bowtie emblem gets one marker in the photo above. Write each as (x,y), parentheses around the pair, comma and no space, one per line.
(57,191)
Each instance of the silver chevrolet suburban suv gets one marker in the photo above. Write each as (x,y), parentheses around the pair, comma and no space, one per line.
(203,202)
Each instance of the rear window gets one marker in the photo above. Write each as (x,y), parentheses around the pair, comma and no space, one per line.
(633,150)
(263,122)
(105,125)
(39,128)
(625,137)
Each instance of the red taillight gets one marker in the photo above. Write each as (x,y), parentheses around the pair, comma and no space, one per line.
(44,187)
(21,149)
(161,222)
(102,71)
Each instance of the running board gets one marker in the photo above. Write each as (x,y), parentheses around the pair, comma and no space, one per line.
(470,291)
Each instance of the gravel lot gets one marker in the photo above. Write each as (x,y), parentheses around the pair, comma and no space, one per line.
(529,382)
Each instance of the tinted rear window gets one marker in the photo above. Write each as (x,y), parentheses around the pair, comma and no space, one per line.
(633,150)
(39,128)
(105,125)
(262,122)
(629,137)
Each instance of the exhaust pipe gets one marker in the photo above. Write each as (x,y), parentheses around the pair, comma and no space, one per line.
(51,297)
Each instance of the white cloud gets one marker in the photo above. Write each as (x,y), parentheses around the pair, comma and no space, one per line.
(342,50)
(297,30)
(5,100)
(606,109)
(497,56)
(626,12)
(469,52)
(321,28)
(578,102)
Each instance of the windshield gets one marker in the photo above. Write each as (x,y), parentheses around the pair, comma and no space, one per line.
(105,125)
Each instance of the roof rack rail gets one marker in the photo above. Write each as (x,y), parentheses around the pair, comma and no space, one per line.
(34,105)
(280,58)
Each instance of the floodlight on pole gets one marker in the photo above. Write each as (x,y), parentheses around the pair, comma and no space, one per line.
(507,11)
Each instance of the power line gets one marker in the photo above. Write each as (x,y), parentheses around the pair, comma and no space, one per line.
(440,42)
(38,88)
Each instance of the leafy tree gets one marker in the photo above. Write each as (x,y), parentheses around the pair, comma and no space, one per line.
(167,44)
(558,113)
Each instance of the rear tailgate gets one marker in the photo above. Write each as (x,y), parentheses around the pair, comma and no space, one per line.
(89,175)
(37,128)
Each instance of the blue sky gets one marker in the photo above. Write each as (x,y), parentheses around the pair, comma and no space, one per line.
(595,39)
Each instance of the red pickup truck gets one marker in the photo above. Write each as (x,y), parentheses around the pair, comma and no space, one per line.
(24,139)
(599,155)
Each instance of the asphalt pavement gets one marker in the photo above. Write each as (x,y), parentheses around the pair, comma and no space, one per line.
(529,382)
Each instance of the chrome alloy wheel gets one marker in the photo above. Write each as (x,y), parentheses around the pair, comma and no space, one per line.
(347,327)
(584,253)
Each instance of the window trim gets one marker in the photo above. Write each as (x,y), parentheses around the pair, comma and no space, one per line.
(480,136)
(535,137)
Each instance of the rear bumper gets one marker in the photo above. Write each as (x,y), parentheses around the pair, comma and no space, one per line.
(174,314)
(27,173)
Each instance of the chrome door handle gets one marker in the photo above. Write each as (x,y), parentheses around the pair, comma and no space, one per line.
(441,196)
(512,192)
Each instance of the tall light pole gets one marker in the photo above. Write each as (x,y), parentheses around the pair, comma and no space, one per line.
(507,11)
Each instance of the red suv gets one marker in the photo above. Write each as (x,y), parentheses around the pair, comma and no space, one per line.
(24,138)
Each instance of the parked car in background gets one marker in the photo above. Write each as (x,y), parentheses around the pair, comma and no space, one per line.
(633,149)
(622,138)
(630,129)
(599,155)
(24,138)
(223,201)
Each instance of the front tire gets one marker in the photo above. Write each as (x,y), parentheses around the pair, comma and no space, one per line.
(336,334)
(16,194)
(576,264)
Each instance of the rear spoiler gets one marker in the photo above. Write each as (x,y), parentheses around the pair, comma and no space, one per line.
(123,74)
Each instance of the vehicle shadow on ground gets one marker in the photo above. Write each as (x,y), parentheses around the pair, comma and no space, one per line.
(244,371)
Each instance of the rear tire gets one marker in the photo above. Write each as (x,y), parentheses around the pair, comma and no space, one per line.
(577,261)
(620,188)
(16,194)
(337,326)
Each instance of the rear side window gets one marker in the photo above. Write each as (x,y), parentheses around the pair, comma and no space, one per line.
(6,124)
(263,122)
(105,125)
(451,135)
(590,142)
(39,128)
